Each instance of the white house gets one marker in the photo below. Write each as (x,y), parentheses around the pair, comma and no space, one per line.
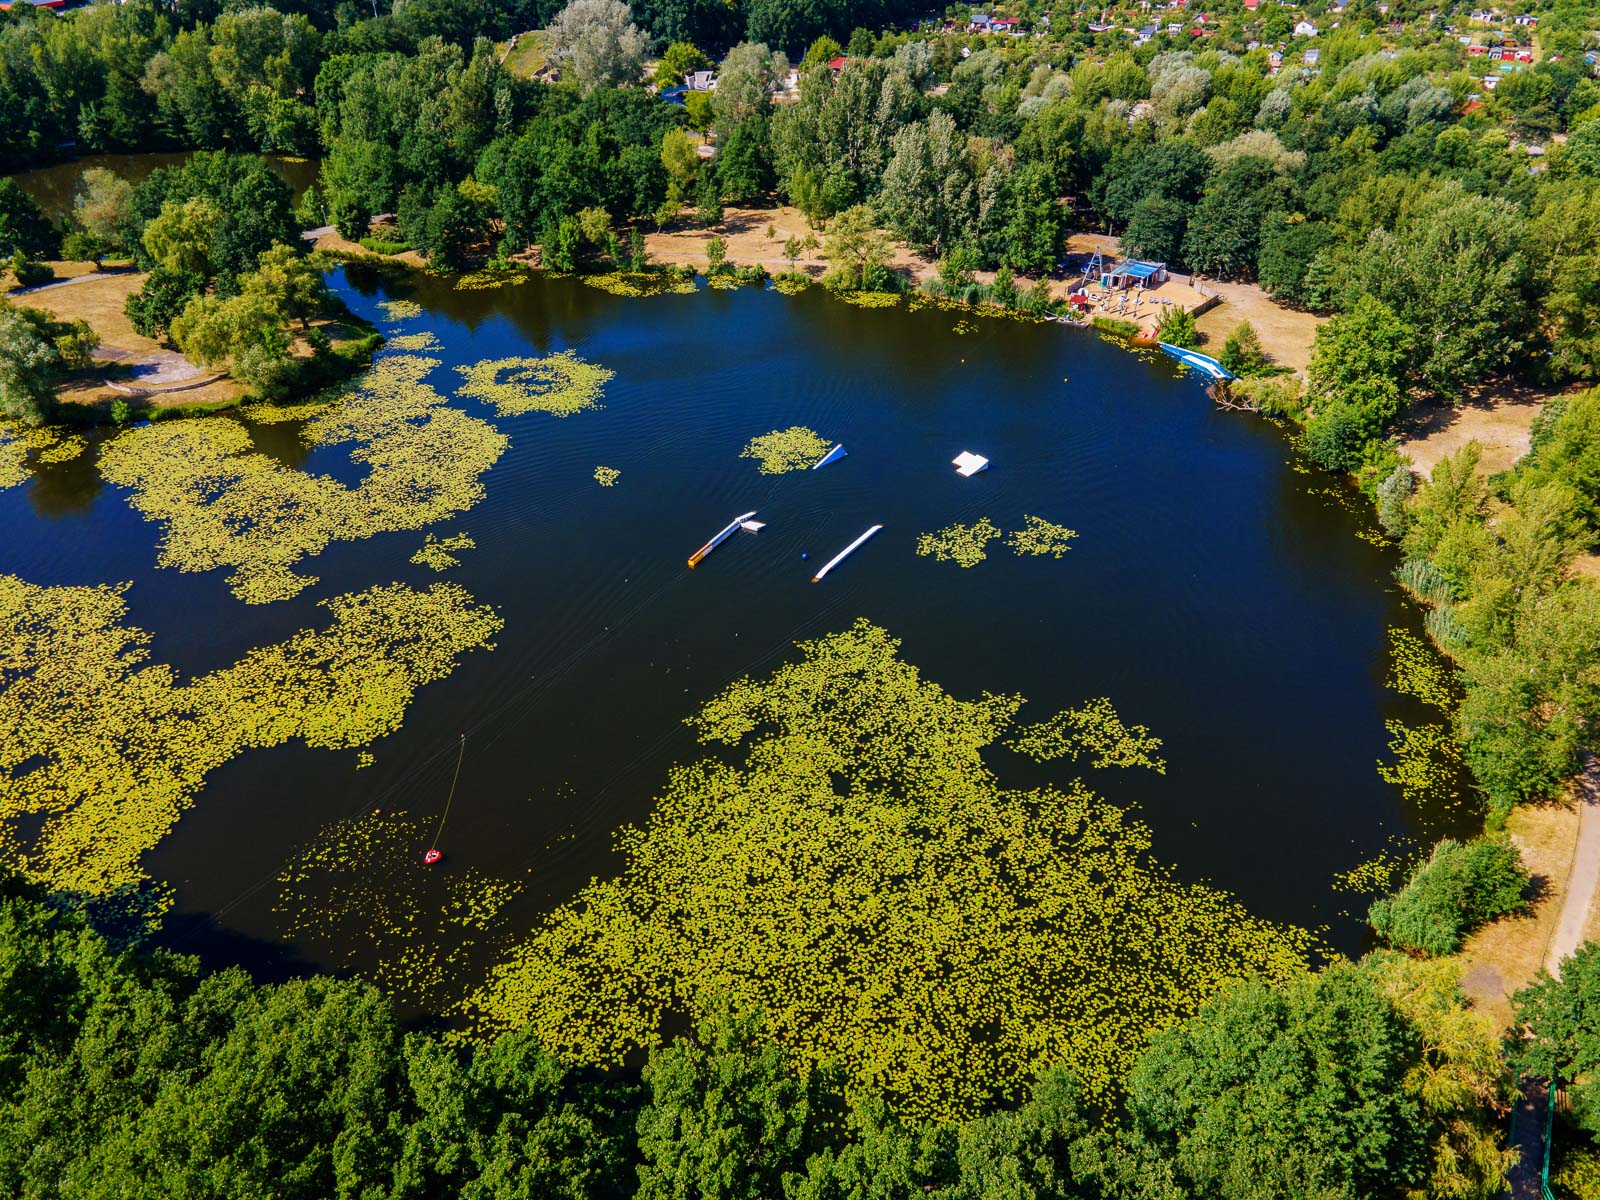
(1304,29)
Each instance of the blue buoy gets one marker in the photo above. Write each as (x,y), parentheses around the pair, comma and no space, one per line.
(803,555)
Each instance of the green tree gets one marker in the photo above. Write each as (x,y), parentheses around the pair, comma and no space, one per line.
(164,295)
(928,193)
(1455,271)
(1156,227)
(1288,249)
(726,1116)
(1177,328)
(1562,1015)
(1224,234)
(1458,888)
(102,204)
(677,61)
(23,226)
(179,239)
(1289,1091)
(858,251)
(596,43)
(1242,353)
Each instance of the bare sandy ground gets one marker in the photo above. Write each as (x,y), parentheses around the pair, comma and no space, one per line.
(1502,958)
(124,355)
(745,232)
(1499,420)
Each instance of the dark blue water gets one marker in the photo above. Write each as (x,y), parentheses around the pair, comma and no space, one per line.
(1209,593)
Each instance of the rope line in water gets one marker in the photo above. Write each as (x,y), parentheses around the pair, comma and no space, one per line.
(454,779)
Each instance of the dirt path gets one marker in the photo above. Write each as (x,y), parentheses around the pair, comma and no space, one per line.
(1584,880)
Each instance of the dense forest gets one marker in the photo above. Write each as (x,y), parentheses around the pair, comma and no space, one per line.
(128,1073)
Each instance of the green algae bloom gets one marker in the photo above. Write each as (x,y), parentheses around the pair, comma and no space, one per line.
(1040,537)
(793,449)
(641,283)
(964,545)
(851,867)
(400,310)
(359,895)
(1094,731)
(439,553)
(559,384)
(101,751)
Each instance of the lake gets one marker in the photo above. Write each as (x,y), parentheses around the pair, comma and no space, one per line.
(54,187)
(1214,592)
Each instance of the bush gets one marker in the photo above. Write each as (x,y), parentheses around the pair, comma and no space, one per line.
(380,246)
(1393,493)
(29,273)
(1115,325)
(1271,395)
(1337,434)
(1176,328)
(154,307)
(1459,888)
(1242,353)
(82,246)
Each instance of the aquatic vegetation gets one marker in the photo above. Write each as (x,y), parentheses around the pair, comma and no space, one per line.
(1416,669)
(364,760)
(1375,876)
(359,894)
(67,447)
(963,327)
(793,449)
(275,412)
(46,446)
(1038,537)
(724,283)
(559,384)
(413,343)
(1093,729)
(224,505)
(488,279)
(869,299)
(606,476)
(641,283)
(962,544)
(438,553)
(101,750)
(861,878)
(790,284)
(1427,767)
(400,310)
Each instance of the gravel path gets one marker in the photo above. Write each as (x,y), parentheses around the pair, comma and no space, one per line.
(1584,880)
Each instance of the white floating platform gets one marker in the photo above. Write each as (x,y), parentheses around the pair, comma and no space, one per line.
(844,554)
(969,464)
(752,526)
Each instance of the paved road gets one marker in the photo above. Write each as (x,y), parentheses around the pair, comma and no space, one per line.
(1584,879)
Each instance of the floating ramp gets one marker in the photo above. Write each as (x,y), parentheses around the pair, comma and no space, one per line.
(832,456)
(844,554)
(969,464)
(723,535)
(1203,363)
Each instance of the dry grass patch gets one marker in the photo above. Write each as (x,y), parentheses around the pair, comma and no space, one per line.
(1503,957)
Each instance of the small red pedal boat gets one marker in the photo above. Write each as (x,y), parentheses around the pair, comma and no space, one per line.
(431,857)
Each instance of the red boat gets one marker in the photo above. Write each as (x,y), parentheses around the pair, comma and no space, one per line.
(431,857)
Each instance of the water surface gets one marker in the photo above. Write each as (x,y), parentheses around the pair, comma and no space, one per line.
(1212,593)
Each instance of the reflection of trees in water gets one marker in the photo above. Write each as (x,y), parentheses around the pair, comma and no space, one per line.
(61,489)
